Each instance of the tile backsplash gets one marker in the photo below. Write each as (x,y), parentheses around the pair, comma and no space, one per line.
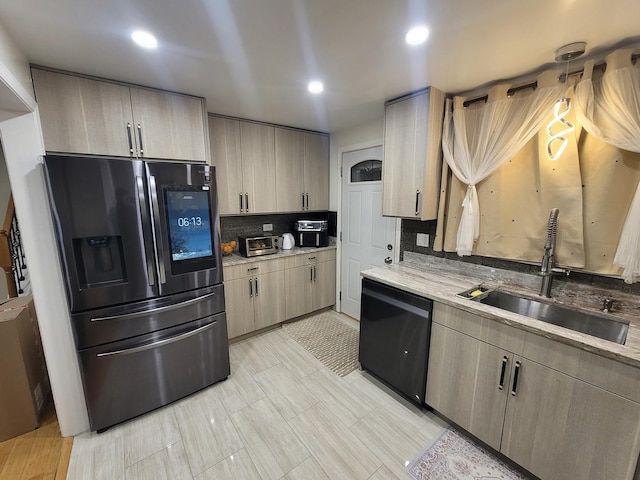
(408,236)
(247,225)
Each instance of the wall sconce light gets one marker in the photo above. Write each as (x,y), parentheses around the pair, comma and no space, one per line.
(563,106)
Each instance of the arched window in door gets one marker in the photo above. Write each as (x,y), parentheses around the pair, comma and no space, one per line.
(367,171)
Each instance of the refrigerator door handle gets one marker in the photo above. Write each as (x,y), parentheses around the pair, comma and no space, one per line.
(146,228)
(166,308)
(155,220)
(141,348)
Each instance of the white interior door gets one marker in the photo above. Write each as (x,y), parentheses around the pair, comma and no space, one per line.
(368,238)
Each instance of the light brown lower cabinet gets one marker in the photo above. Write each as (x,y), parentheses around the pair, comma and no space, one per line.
(265,292)
(254,302)
(554,425)
(309,288)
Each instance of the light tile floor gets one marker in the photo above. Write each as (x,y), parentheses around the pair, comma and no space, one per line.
(280,415)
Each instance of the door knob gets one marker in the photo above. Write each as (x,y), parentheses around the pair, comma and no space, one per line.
(388,260)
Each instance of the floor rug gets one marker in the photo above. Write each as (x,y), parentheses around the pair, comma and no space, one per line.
(451,456)
(328,339)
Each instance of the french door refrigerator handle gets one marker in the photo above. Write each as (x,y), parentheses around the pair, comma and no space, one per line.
(146,227)
(166,341)
(166,308)
(155,220)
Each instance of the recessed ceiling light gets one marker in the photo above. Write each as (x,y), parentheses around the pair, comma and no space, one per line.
(417,35)
(316,87)
(144,39)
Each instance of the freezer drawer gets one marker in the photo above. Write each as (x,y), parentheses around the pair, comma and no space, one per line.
(112,324)
(395,328)
(128,378)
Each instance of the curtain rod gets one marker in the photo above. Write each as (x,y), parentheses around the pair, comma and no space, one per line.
(510,93)
(601,66)
(562,79)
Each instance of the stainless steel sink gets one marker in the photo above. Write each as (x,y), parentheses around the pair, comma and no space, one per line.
(590,323)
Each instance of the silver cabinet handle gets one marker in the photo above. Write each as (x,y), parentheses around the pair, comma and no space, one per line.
(146,227)
(251,287)
(241,209)
(417,202)
(166,308)
(156,225)
(303,201)
(307,196)
(311,274)
(140,138)
(246,202)
(159,343)
(130,139)
(315,273)
(256,287)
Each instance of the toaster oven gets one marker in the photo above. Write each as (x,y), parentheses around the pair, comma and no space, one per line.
(259,245)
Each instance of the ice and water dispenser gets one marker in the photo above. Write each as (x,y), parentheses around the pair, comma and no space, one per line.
(99,261)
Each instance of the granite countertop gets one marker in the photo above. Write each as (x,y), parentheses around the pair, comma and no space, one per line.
(441,280)
(236,259)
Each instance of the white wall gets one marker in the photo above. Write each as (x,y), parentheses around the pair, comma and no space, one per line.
(5,193)
(21,139)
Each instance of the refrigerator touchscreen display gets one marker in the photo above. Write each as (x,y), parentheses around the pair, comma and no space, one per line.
(189,224)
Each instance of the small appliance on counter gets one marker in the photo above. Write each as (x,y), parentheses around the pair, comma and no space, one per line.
(312,233)
(288,242)
(258,245)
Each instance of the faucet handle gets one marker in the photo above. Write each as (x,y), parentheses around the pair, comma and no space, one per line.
(607,305)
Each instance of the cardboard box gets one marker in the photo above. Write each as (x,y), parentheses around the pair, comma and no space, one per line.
(23,374)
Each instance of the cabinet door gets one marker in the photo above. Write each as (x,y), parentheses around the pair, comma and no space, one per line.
(412,160)
(463,382)
(269,299)
(258,166)
(239,306)
(289,167)
(558,427)
(169,125)
(79,115)
(324,285)
(316,171)
(298,284)
(401,172)
(224,135)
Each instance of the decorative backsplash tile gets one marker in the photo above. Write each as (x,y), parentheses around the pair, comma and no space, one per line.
(410,229)
(248,225)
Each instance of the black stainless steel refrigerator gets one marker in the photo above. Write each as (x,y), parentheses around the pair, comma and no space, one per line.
(139,244)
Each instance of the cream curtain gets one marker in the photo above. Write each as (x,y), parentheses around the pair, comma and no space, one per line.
(478,139)
(609,109)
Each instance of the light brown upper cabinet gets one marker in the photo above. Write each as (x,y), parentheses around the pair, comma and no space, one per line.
(89,116)
(412,155)
(244,156)
(302,166)
(263,168)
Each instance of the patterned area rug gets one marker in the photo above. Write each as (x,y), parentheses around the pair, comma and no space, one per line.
(452,457)
(328,339)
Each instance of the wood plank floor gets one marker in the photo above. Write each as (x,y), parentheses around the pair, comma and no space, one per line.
(38,455)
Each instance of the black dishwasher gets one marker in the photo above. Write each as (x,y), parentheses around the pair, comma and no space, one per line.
(395,327)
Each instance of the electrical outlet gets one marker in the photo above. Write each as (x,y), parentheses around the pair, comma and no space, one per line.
(422,240)
(267,227)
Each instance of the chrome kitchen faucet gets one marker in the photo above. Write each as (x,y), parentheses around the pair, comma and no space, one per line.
(547,270)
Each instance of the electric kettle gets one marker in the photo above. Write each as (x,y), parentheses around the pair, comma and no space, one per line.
(287,241)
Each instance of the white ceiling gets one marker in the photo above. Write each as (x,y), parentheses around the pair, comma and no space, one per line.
(253,58)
